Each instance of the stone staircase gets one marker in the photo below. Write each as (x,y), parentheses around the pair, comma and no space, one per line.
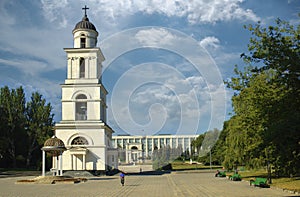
(135,168)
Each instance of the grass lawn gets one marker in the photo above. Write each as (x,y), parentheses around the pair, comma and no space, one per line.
(179,165)
(292,184)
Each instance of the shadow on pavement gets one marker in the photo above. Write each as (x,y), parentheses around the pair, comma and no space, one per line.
(5,174)
(148,173)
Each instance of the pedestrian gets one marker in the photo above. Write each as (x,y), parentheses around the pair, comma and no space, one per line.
(122,178)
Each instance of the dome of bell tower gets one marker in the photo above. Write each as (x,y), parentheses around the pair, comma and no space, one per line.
(85,33)
(84,24)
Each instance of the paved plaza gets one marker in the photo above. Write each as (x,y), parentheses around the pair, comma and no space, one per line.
(186,183)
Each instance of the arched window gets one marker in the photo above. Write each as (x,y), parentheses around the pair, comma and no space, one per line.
(82,41)
(82,67)
(81,107)
(79,141)
(134,148)
(81,96)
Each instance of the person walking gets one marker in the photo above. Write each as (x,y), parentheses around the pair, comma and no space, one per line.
(122,178)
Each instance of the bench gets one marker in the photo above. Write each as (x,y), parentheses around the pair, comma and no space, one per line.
(259,182)
(235,177)
(220,174)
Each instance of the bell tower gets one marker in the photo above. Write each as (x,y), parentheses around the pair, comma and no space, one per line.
(88,100)
(83,127)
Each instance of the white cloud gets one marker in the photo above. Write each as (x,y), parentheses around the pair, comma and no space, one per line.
(181,96)
(5,16)
(54,10)
(155,37)
(154,91)
(219,10)
(222,58)
(200,11)
(210,42)
(34,43)
(28,67)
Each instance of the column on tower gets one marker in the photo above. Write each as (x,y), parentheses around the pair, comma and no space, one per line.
(70,61)
(75,70)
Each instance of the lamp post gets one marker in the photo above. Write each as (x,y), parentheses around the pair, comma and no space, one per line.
(269,173)
(210,157)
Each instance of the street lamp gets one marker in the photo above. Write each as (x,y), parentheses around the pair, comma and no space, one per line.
(210,157)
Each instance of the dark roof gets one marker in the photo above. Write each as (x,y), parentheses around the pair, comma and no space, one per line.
(54,142)
(85,24)
(54,146)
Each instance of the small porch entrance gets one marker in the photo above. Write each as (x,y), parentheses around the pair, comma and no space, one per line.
(78,158)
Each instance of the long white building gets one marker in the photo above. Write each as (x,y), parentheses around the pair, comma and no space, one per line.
(137,147)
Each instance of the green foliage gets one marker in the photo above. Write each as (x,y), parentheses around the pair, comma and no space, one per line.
(23,127)
(162,157)
(204,142)
(265,126)
(196,144)
(39,124)
(12,103)
(202,146)
(218,151)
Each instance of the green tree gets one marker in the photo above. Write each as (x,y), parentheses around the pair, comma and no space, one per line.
(218,151)
(12,104)
(39,125)
(23,127)
(197,143)
(210,138)
(265,127)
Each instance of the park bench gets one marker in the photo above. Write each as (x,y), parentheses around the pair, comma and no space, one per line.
(259,182)
(220,174)
(235,177)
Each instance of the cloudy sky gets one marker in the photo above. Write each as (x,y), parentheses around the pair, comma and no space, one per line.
(165,60)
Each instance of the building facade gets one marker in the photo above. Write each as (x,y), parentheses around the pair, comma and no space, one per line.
(138,148)
(83,127)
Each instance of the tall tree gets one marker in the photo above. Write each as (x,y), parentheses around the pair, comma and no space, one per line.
(266,101)
(12,104)
(196,143)
(218,151)
(39,124)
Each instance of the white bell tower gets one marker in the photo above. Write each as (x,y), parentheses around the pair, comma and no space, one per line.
(83,127)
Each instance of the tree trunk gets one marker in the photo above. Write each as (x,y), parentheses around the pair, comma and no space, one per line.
(29,154)
(12,153)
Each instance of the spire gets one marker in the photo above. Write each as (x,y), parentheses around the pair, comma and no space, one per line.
(84,23)
(85,8)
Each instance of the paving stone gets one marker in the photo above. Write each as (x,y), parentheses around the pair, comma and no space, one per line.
(136,185)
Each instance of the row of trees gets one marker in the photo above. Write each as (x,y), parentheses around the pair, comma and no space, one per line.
(204,143)
(162,157)
(24,127)
(264,128)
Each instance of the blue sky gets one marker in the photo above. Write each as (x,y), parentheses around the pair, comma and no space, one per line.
(165,60)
